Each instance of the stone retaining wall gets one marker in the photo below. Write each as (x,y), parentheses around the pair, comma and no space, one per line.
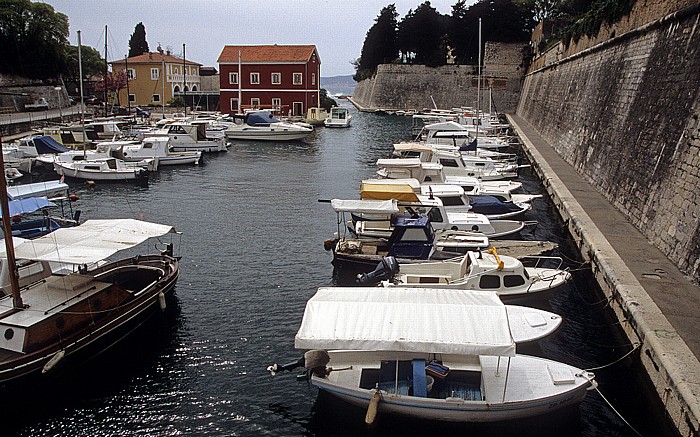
(625,114)
(406,87)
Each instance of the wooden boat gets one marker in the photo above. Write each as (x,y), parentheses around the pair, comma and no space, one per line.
(505,276)
(47,319)
(433,354)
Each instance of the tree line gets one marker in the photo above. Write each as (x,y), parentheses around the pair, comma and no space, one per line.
(426,37)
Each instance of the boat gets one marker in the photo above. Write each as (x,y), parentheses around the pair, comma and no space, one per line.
(481,270)
(379,224)
(413,239)
(186,137)
(27,224)
(316,116)
(37,189)
(151,148)
(106,169)
(453,197)
(263,126)
(69,301)
(338,117)
(407,363)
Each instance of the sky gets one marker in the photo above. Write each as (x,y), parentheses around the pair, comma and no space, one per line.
(337,28)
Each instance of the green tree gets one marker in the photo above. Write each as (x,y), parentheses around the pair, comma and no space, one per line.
(33,39)
(422,36)
(137,43)
(92,62)
(380,43)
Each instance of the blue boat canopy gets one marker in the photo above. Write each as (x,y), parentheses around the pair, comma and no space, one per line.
(483,204)
(27,205)
(46,144)
(260,119)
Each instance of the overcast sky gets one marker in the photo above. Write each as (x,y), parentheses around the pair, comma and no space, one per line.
(337,28)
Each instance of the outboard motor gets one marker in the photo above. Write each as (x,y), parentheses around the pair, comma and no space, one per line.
(385,270)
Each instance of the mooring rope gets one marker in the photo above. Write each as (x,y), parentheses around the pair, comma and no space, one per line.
(636,346)
(618,413)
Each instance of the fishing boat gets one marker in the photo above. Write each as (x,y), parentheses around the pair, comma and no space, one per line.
(433,354)
(503,275)
(68,300)
(338,117)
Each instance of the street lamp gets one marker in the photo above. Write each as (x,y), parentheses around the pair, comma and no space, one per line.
(60,107)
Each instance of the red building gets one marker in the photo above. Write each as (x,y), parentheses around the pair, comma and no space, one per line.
(285,78)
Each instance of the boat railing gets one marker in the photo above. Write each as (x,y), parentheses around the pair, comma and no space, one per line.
(540,261)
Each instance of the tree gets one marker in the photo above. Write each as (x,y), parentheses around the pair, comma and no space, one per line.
(380,43)
(33,39)
(137,43)
(422,36)
(112,82)
(92,62)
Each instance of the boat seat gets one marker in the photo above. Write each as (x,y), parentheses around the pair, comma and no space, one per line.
(468,392)
(420,383)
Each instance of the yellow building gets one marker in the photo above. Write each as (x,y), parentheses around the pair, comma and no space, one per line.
(155,78)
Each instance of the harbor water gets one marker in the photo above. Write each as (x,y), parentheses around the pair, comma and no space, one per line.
(252,255)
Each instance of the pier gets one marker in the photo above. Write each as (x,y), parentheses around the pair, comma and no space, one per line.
(656,304)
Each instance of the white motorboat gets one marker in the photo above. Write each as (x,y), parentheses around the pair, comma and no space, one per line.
(151,148)
(188,137)
(105,169)
(432,354)
(504,275)
(453,197)
(316,116)
(263,126)
(338,117)
(379,225)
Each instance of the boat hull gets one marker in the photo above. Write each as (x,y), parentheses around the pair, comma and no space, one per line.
(103,332)
(267,135)
(526,395)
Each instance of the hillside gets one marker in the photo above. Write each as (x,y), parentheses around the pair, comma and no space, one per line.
(336,85)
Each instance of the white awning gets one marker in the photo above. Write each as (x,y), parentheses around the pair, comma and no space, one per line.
(399,162)
(406,319)
(365,206)
(89,242)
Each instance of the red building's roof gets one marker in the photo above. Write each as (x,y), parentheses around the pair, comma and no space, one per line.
(269,53)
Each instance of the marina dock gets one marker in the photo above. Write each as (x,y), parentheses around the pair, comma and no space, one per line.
(656,304)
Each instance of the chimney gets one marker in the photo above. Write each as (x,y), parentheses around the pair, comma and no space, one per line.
(167,52)
(150,55)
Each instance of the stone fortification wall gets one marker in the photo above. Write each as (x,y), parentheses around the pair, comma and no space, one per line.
(412,86)
(625,114)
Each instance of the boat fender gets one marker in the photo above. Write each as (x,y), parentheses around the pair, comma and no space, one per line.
(161,300)
(385,270)
(371,415)
(58,356)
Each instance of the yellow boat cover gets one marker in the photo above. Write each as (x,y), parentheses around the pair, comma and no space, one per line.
(384,191)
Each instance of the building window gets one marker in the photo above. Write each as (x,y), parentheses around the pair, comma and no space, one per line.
(276,103)
(156,97)
(313,78)
(131,73)
(297,78)
(132,98)
(254,78)
(276,78)
(194,88)
(176,70)
(155,73)
(254,103)
(234,105)
(233,78)
(176,89)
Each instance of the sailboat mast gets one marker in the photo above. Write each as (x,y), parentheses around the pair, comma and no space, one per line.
(105,84)
(184,81)
(478,90)
(82,96)
(239,82)
(9,246)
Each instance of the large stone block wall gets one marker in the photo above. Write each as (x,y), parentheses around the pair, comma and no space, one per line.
(625,114)
(412,86)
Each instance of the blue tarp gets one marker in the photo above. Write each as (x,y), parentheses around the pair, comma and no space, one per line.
(260,119)
(25,206)
(46,144)
(482,204)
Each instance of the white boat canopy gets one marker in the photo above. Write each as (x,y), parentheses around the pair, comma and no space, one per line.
(89,242)
(406,319)
(366,206)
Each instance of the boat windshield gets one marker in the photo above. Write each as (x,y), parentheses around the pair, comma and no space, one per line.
(261,119)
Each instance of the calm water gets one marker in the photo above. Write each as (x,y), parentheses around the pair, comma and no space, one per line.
(252,255)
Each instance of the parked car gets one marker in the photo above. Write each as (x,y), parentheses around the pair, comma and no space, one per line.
(93,101)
